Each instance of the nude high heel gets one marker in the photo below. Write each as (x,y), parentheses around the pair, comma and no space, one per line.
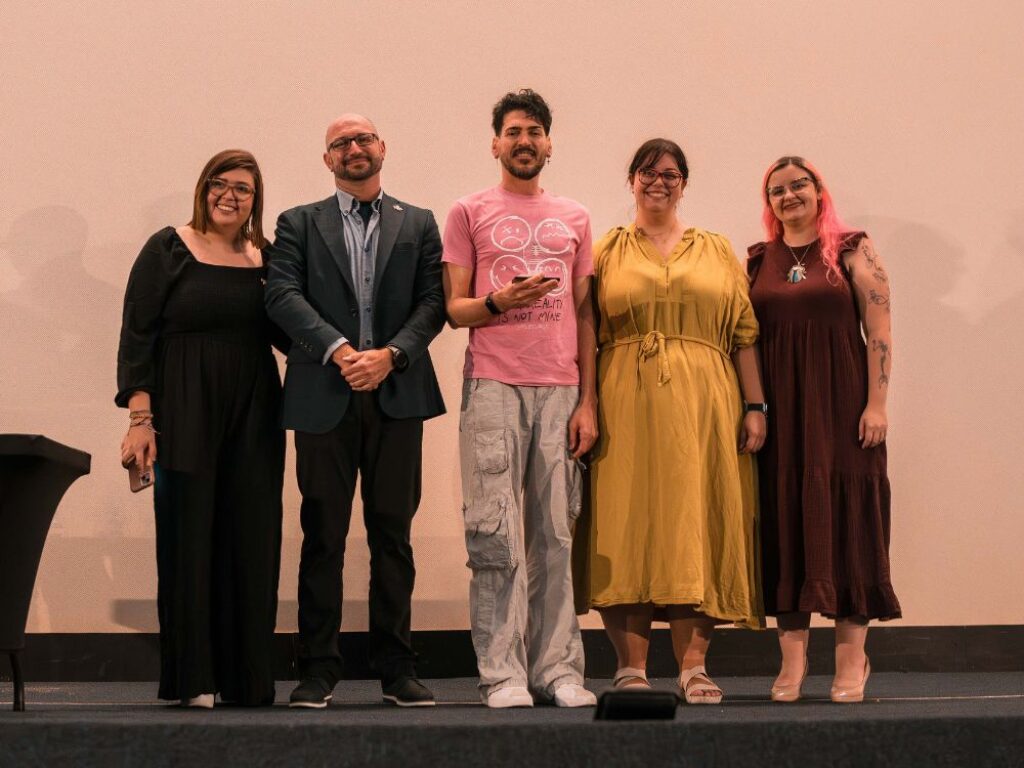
(789,693)
(854,693)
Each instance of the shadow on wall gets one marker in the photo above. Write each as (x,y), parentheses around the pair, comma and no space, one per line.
(958,366)
(52,356)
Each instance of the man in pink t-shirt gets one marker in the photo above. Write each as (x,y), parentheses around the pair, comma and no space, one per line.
(518,268)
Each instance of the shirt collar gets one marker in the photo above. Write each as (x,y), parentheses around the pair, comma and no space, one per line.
(349,204)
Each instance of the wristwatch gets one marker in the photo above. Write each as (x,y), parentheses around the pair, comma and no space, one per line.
(759,407)
(398,357)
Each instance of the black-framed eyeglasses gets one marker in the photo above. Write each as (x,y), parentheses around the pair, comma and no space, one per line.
(796,185)
(220,187)
(670,179)
(361,139)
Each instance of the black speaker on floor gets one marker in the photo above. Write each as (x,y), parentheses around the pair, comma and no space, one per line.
(637,705)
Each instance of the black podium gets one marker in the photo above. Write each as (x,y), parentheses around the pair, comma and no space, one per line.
(35,472)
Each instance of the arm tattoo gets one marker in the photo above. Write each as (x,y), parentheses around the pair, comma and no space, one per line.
(883,348)
(879,299)
(874,263)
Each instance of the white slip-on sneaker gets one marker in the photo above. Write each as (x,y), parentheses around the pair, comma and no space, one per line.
(513,696)
(574,695)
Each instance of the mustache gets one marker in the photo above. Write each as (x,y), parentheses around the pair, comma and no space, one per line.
(524,151)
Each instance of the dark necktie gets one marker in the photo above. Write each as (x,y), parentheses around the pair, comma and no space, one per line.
(365,211)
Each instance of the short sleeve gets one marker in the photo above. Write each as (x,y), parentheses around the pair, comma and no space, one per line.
(583,264)
(458,247)
(755,257)
(850,241)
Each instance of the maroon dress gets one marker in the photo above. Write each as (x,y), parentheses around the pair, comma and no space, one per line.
(824,499)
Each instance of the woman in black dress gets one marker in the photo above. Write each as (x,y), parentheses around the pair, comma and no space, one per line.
(196,370)
(819,291)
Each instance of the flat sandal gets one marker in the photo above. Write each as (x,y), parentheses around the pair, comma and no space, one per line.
(626,674)
(693,692)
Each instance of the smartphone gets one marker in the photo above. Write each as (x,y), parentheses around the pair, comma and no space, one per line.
(139,479)
(520,278)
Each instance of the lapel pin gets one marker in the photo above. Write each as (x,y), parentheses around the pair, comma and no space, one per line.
(397,207)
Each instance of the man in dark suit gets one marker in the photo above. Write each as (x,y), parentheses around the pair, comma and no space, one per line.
(355,280)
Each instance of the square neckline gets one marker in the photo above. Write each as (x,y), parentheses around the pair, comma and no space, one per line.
(197,260)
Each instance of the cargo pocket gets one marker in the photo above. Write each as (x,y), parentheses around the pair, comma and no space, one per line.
(486,514)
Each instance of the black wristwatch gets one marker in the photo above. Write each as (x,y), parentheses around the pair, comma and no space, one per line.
(491,306)
(759,407)
(398,357)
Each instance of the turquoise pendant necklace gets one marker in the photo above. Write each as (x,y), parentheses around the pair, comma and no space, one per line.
(798,271)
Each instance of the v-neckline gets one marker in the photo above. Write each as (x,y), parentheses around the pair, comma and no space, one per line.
(654,256)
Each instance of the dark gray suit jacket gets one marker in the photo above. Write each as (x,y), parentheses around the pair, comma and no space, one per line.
(311,297)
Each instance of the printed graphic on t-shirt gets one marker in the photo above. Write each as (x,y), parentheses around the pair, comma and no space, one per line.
(527,252)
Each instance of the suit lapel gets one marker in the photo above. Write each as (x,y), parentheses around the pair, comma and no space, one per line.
(328,221)
(391,217)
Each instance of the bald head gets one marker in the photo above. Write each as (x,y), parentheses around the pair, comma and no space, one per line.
(355,155)
(348,125)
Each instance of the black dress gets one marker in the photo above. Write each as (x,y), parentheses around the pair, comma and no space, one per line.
(196,337)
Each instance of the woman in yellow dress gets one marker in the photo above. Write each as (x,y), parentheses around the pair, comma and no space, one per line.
(673,531)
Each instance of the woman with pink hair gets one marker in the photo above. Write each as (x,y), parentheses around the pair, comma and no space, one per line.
(815,286)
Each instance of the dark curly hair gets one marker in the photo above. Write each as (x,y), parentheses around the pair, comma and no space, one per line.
(526,100)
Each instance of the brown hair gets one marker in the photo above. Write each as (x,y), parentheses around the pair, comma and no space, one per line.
(652,150)
(229,160)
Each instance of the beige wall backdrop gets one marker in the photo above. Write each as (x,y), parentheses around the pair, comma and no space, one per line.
(912,110)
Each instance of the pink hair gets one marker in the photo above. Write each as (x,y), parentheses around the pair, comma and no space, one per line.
(831,229)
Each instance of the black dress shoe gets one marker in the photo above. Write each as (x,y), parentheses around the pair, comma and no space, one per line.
(313,693)
(408,692)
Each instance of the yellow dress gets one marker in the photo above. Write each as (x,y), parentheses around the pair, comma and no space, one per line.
(673,516)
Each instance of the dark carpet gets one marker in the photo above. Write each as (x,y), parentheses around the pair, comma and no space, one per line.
(908,720)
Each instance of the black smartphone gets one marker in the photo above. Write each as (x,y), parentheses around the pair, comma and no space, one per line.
(520,278)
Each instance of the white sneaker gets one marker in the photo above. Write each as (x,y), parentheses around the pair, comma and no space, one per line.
(202,701)
(574,695)
(513,696)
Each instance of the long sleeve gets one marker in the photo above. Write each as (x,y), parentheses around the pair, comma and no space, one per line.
(151,279)
(427,317)
(287,303)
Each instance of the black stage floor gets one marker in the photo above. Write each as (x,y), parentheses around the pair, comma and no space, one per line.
(908,719)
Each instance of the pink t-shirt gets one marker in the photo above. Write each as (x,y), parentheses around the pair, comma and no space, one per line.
(499,235)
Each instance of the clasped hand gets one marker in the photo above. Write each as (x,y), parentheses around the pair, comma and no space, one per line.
(364,371)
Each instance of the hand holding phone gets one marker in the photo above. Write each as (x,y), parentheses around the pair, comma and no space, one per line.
(139,479)
(521,278)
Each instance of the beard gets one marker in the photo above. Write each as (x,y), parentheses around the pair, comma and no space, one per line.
(524,172)
(372,168)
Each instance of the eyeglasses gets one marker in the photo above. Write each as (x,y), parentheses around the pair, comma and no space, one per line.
(670,179)
(220,187)
(795,186)
(342,144)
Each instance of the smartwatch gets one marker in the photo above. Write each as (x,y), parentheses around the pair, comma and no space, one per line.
(491,306)
(398,357)
(759,407)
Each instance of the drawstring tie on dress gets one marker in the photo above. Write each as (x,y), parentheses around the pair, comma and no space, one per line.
(654,344)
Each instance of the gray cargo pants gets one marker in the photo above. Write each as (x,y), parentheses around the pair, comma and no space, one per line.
(521,497)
